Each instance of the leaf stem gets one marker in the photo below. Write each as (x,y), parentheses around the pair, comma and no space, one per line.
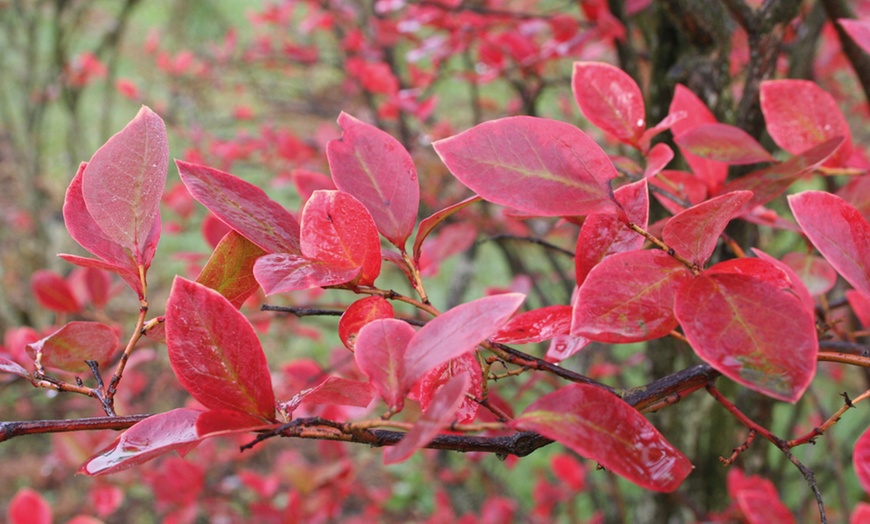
(664,247)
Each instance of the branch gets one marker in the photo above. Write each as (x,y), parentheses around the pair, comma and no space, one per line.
(10,430)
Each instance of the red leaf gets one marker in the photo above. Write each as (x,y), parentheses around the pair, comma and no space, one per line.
(815,272)
(667,122)
(685,101)
(680,184)
(570,471)
(69,347)
(435,380)
(216,422)
(723,143)
(800,114)
(8,366)
(456,332)
(600,426)
(860,514)
(858,30)
(147,439)
(338,231)
(53,292)
(129,275)
(770,182)
(838,231)
(441,410)
(123,183)
(657,158)
(285,272)
(335,391)
(564,346)
(610,99)
(739,324)
(860,305)
(95,283)
(242,206)
(429,223)
(230,269)
(361,313)
(605,234)
(861,460)
(536,325)
(794,281)
(376,169)
(536,165)
(693,233)
(28,507)
(629,297)
(759,508)
(307,182)
(451,240)
(380,354)
(214,351)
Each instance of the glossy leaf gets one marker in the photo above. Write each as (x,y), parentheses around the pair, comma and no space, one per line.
(858,31)
(69,347)
(536,325)
(861,460)
(157,435)
(376,169)
(723,143)
(838,231)
(564,346)
(752,331)
(685,101)
(435,380)
(604,234)
(457,331)
(52,292)
(800,115)
(380,352)
(281,273)
(359,314)
(693,233)
(610,99)
(123,183)
(536,165)
(242,206)
(431,222)
(338,231)
(215,353)
(28,507)
(768,183)
(629,297)
(795,283)
(440,412)
(230,269)
(600,426)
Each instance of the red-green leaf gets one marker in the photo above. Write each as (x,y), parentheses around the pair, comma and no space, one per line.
(600,426)
(751,330)
(838,231)
(147,439)
(604,234)
(861,460)
(52,292)
(428,224)
(123,183)
(685,101)
(339,231)
(376,169)
(230,269)
(215,353)
(723,143)
(693,233)
(800,114)
(536,165)
(28,507)
(629,297)
(770,182)
(440,411)
(610,99)
(242,206)
(456,332)
(380,354)
(435,380)
(361,313)
(536,325)
(285,272)
(69,347)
